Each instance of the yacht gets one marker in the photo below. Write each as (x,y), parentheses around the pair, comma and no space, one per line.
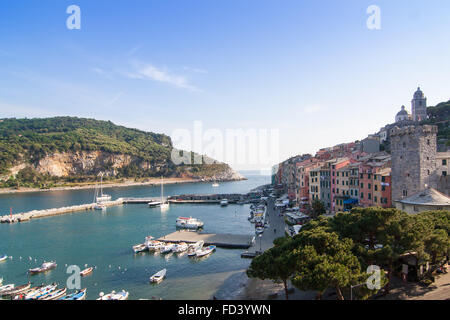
(189,223)
(46,266)
(224,202)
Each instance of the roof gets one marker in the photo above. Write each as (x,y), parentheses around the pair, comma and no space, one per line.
(427,197)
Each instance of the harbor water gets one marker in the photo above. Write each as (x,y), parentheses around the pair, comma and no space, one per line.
(104,240)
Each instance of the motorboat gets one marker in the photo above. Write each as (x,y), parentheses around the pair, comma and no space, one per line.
(3,258)
(180,247)
(122,295)
(79,295)
(140,248)
(86,272)
(194,247)
(167,248)
(55,295)
(224,202)
(215,185)
(205,251)
(159,276)
(46,266)
(189,223)
(155,245)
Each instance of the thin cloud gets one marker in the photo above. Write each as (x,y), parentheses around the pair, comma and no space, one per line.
(196,70)
(150,72)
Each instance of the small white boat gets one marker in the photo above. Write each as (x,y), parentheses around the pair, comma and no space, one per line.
(86,272)
(154,204)
(224,202)
(159,276)
(189,223)
(180,247)
(193,248)
(46,266)
(55,295)
(1,281)
(7,287)
(155,245)
(122,295)
(205,251)
(140,248)
(100,207)
(215,185)
(3,258)
(167,248)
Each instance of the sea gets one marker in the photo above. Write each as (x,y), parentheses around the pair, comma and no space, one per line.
(104,240)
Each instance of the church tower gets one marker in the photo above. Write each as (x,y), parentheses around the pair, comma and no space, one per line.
(419,106)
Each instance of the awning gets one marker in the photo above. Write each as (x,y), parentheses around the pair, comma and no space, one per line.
(351,201)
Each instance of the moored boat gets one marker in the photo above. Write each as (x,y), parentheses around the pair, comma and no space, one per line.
(224,202)
(140,248)
(16,290)
(155,245)
(86,272)
(3,257)
(55,295)
(180,247)
(193,248)
(189,223)
(122,295)
(39,292)
(79,295)
(167,248)
(46,266)
(205,251)
(5,288)
(159,276)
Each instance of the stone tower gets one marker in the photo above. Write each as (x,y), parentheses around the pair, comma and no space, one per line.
(419,106)
(413,152)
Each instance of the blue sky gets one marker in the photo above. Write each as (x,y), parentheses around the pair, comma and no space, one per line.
(310,69)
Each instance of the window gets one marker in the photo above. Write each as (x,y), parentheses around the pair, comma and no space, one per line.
(362,195)
(369,196)
(362,176)
(375,199)
(405,193)
(375,187)
(428,141)
(369,186)
(444,173)
(362,185)
(444,162)
(404,144)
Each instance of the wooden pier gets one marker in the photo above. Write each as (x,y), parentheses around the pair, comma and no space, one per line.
(232,241)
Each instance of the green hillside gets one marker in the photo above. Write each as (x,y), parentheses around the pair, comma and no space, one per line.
(31,140)
(440,116)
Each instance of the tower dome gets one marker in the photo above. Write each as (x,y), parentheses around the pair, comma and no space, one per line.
(419,94)
(402,115)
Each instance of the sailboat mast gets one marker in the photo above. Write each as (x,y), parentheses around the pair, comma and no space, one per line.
(162,190)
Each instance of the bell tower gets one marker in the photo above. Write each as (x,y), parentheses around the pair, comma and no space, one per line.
(419,106)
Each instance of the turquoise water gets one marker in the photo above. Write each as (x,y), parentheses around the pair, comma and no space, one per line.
(104,240)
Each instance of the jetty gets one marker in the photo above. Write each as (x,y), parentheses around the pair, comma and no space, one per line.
(231,241)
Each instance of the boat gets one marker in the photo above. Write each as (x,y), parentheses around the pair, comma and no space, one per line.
(180,247)
(7,287)
(164,204)
(140,248)
(122,295)
(153,204)
(16,290)
(224,202)
(205,251)
(35,294)
(86,272)
(55,295)
(100,196)
(46,266)
(3,258)
(100,207)
(79,295)
(159,276)
(193,248)
(155,245)
(215,185)
(22,295)
(189,223)
(167,248)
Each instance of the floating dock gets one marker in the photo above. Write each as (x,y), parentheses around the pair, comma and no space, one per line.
(232,241)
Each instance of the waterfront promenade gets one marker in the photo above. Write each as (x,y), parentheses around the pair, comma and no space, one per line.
(275,230)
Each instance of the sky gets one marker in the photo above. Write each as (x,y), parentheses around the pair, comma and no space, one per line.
(302,74)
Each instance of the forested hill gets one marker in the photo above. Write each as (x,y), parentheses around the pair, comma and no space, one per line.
(76,148)
(440,116)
